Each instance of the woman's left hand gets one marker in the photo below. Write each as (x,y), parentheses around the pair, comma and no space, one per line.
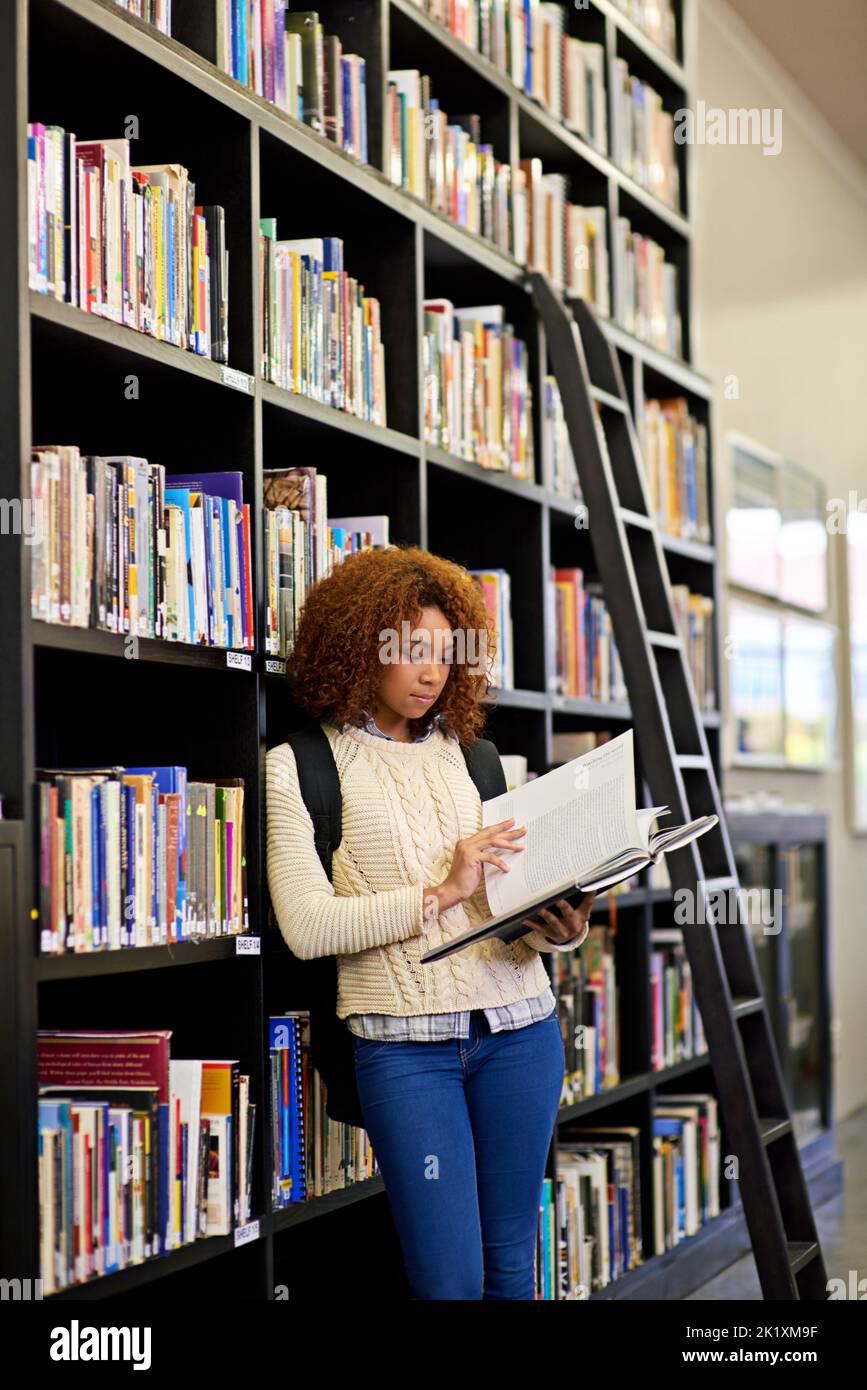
(573,921)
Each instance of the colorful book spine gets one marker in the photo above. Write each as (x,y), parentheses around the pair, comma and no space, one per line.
(313,1155)
(478,394)
(140,1153)
(321,334)
(587,662)
(155,12)
(646,285)
(133,857)
(445,162)
(287,58)
(496,587)
(674,448)
(642,135)
(124,242)
(124,547)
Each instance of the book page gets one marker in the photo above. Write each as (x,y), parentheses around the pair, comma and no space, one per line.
(578,816)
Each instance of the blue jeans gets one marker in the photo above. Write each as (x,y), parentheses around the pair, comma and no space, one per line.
(461,1131)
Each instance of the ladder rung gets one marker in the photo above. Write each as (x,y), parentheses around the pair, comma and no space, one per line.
(713,885)
(635,518)
(746,1005)
(772,1130)
(688,760)
(801,1252)
(606,398)
(664,639)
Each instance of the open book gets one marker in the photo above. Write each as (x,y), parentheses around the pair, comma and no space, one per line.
(583,833)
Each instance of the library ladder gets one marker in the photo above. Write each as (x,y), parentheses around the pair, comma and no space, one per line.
(676,762)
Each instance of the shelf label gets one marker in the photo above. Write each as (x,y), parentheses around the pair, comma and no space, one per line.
(242,661)
(240,381)
(274,667)
(244,1234)
(247,945)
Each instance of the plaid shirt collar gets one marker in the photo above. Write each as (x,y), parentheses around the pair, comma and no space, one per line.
(371,727)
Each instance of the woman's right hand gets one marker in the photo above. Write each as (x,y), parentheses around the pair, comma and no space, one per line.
(470,855)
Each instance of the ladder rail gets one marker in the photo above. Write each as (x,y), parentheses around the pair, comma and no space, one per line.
(725,969)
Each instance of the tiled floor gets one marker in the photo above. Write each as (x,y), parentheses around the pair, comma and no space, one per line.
(841,1223)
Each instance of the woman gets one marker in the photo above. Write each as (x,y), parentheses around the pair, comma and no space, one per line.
(459,1063)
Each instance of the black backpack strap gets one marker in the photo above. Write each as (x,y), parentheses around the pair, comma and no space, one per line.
(484,766)
(319,782)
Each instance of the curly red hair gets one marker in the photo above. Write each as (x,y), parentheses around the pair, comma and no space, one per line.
(335,668)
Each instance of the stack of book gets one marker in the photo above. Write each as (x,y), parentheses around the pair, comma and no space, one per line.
(586,257)
(302,545)
(140,1153)
(686,1166)
(694,615)
(155,12)
(138,856)
(584,98)
(126,242)
(478,400)
(677,1034)
(496,587)
(312,1154)
(320,332)
(595,1208)
(498,30)
(642,135)
(587,663)
(646,290)
(587,1002)
(558,461)
(656,19)
(286,57)
(123,546)
(568,243)
(527,43)
(674,448)
(443,161)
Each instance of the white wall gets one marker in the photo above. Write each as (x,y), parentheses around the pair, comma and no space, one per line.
(780,301)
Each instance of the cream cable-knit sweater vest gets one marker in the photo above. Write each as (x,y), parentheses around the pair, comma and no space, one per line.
(405,805)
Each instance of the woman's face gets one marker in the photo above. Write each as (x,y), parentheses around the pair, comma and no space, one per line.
(411,686)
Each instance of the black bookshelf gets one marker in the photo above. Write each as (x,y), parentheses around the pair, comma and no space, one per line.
(86,64)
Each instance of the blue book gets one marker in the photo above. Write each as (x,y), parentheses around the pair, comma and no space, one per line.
(669,1127)
(167,780)
(227,485)
(129,903)
(362,99)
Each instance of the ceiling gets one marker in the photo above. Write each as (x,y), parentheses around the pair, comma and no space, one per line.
(824,48)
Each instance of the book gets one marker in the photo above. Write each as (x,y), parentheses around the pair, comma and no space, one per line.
(642,135)
(139,1152)
(443,160)
(126,242)
(584,833)
(478,394)
(320,333)
(133,857)
(646,289)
